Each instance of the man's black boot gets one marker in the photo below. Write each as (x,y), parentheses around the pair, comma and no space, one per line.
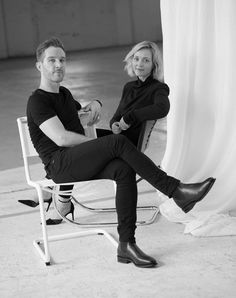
(187,195)
(128,252)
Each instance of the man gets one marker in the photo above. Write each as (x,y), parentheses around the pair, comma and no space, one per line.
(68,155)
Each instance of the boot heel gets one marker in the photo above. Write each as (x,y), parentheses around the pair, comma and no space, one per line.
(49,204)
(123,260)
(72,214)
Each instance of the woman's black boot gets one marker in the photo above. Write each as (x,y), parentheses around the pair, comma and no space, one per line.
(187,195)
(128,252)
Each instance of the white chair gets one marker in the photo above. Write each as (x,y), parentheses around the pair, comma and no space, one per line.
(42,245)
(48,185)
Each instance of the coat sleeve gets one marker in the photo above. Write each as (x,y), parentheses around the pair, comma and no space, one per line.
(159,108)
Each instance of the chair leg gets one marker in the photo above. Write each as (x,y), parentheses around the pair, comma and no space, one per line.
(100,232)
(44,253)
(108,210)
(37,244)
(42,245)
(149,221)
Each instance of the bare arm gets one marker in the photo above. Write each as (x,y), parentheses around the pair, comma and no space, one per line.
(54,129)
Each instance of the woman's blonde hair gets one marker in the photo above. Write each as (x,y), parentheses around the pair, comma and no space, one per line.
(157,71)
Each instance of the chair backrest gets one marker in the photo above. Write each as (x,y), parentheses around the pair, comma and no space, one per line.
(145,134)
(27,147)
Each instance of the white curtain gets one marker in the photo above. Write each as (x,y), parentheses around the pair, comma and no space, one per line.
(199,50)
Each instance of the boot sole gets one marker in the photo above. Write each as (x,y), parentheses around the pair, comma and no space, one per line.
(127,261)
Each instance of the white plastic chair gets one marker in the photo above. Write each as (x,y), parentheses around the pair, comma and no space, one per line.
(42,245)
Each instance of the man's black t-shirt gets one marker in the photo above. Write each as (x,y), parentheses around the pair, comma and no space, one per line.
(44,105)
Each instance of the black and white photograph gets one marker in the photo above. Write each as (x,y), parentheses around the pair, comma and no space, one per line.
(118,146)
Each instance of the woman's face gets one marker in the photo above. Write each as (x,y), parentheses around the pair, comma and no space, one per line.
(142,63)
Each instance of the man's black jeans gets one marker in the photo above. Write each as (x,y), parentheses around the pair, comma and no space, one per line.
(112,157)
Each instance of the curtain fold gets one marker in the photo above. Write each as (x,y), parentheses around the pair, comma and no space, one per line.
(199,52)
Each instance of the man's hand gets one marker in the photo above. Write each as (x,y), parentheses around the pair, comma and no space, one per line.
(116,128)
(123,125)
(95,112)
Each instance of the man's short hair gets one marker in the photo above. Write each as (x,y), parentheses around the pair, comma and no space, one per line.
(52,42)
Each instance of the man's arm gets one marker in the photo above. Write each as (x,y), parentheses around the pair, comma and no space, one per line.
(94,108)
(54,129)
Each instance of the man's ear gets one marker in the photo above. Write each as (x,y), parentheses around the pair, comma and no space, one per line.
(38,65)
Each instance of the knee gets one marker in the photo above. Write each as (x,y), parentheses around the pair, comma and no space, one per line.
(123,172)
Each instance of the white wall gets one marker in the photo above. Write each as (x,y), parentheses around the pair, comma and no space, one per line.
(81,24)
(19,31)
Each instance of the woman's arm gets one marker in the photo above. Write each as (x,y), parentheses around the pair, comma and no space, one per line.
(159,109)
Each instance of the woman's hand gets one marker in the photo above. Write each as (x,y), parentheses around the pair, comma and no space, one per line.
(123,125)
(116,128)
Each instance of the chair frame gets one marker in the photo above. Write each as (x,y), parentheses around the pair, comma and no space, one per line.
(42,244)
(48,185)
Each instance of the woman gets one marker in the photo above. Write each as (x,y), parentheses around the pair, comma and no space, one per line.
(146,98)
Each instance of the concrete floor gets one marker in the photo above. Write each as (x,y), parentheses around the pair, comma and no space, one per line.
(87,267)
